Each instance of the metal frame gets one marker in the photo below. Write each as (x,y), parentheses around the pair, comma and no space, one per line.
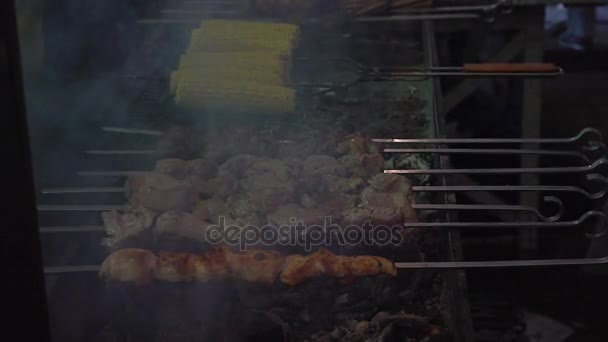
(527,21)
(460,311)
(24,303)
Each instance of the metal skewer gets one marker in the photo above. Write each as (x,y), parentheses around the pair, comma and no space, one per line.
(72,269)
(591,138)
(414,265)
(83,190)
(96,207)
(72,229)
(398,74)
(486,207)
(578,155)
(121,152)
(111,173)
(448,265)
(133,131)
(539,170)
(514,188)
(500,264)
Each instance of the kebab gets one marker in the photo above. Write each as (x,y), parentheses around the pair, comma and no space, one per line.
(181,198)
(141,266)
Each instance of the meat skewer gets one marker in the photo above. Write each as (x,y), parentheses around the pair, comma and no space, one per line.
(141,267)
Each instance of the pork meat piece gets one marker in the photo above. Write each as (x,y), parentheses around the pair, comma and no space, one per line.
(409,214)
(375,216)
(373,199)
(182,224)
(237,165)
(201,211)
(242,206)
(322,165)
(316,170)
(160,192)
(355,184)
(173,167)
(387,182)
(353,145)
(201,168)
(365,165)
(268,182)
(291,214)
(215,208)
(339,201)
(357,144)
(121,226)
(221,186)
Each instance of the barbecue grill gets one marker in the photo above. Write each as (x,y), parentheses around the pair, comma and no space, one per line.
(427,298)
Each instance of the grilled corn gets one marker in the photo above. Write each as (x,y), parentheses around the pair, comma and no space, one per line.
(234,66)
(264,61)
(247,30)
(235,97)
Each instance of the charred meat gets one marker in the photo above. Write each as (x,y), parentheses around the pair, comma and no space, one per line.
(140,266)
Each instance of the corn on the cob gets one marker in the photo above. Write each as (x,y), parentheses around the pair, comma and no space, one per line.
(190,75)
(236,66)
(236,96)
(201,42)
(248,30)
(263,60)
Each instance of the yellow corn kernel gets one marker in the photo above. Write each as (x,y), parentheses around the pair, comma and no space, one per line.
(242,29)
(244,74)
(235,97)
(261,61)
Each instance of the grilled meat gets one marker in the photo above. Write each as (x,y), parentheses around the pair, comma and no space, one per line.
(268,182)
(388,182)
(249,189)
(160,192)
(266,267)
(197,172)
(120,226)
(182,224)
(297,268)
(374,216)
(201,168)
(173,167)
(356,145)
(130,265)
(364,165)
(285,215)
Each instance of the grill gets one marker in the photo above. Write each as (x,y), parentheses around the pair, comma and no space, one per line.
(428,299)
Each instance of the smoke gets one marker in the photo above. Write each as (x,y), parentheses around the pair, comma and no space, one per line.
(76,55)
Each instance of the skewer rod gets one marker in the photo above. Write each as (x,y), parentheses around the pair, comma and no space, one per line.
(110,173)
(72,269)
(472,188)
(591,132)
(132,131)
(412,265)
(80,207)
(83,190)
(120,152)
(487,151)
(500,264)
(73,229)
